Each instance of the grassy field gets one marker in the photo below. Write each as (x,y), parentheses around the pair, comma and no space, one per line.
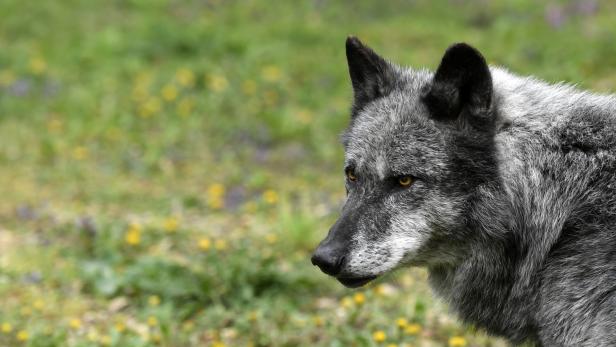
(167,167)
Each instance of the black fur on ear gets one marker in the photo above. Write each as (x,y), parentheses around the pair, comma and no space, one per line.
(461,87)
(371,75)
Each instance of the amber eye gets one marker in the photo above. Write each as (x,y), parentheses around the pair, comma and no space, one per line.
(405,181)
(351,175)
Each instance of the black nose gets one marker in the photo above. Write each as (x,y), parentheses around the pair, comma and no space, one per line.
(328,260)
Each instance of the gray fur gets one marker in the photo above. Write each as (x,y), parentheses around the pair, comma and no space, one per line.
(512,210)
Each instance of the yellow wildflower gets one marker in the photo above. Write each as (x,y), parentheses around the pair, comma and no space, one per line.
(205,244)
(120,326)
(152,321)
(154,300)
(318,321)
(220,245)
(271,73)
(133,236)
(359,298)
(412,329)
(185,77)
(75,323)
(37,65)
(304,117)
(217,83)
(401,322)
(6,327)
(457,341)
(271,238)
(270,196)
(185,107)
(93,336)
(171,224)
(169,93)
(38,304)
(7,77)
(22,335)
(392,345)
(249,87)
(188,325)
(106,340)
(379,336)
(218,344)
(215,196)
(346,302)
(156,338)
(270,97)
(54,125)
(150,107)
(80,153)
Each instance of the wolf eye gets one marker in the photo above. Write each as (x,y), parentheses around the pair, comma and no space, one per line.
(405,181)
(350,174)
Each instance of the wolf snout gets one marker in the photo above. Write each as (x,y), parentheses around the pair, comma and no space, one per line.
(329,259)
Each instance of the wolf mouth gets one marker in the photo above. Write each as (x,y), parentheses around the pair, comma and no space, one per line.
(355,282)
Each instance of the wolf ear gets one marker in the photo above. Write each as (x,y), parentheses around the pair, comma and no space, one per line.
(372,77)
(462,83)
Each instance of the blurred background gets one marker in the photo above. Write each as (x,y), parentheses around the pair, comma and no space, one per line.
(167,167)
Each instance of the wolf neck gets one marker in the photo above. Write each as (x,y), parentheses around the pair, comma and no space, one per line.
(520,218)
(532,101)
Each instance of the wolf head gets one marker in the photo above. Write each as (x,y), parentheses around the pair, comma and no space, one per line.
(418,147)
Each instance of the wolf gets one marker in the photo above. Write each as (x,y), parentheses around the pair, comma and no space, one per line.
(502,186)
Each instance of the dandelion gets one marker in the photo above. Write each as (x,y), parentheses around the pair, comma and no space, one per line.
(346,302)
(80,153)
(150,107)
(54,125)
(270,97)
(412,329)
(93,336)
(154,300)
(105,340)
(359,298)
(271,73)
(152,321)
(249,87)
(75,323)
(185,77)
(217,83)
(185,107)
(120,326)
(169,93)
(401,322)
(270,196)
(205,244)
(188,325)
(22,336)
(7,77)
(38,304)
(271,238)
(6,327)
(133,236)
(379,336)
(37,65)
(215,196)
(171,224)
(218,344)
(457,341)
(392,345)
(318,321)
(220,245)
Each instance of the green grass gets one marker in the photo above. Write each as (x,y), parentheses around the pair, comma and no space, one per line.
(166,167)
